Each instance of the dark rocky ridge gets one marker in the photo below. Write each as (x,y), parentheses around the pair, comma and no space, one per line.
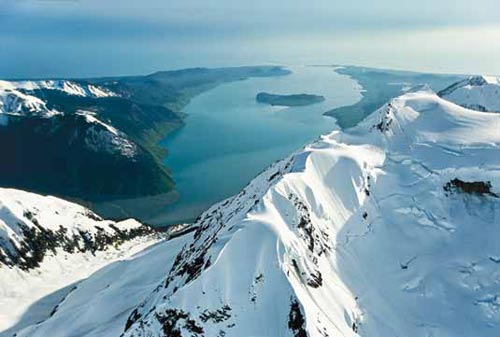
(38,241)
(470,187)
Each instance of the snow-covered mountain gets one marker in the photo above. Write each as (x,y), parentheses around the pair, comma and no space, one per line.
(16,103)
(478,93)
(17,98)
(386,229)
(80,88)
(34,226)
(46,244)
(75,128)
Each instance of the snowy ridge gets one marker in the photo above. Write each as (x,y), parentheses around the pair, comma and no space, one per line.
(16,103)
(371,232)
(72,88)
(47,246)
(478,93)
(68,87)
(98,305)
(17,98)
(33,227)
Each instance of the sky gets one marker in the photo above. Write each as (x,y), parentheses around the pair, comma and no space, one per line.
(85,38)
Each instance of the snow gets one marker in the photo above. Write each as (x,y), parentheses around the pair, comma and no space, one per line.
(20,209)
(357,227)
(355,233)
(104,137)
(29,295)
(16,97)
(68,87)
(99,292)
(478,92)
(492,80)
(72,88)
(16,103)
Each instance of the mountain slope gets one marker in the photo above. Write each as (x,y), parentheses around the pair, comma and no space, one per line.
(46,245)
(387,229)
(98,302)
(33,227)
(478,92)
(39,136)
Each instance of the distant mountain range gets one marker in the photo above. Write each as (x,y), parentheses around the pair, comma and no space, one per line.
(96,140)
(478,93)
(389,228)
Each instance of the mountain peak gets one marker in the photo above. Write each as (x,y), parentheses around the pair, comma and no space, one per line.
(481,93)
(483,80)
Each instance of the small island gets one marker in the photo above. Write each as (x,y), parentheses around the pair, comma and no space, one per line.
(288,100)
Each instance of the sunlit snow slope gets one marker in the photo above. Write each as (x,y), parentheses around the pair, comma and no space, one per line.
(478,92)
(99,305)
(387,229)
(47,245)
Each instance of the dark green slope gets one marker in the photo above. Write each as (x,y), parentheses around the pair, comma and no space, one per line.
(145,124)
(51,156)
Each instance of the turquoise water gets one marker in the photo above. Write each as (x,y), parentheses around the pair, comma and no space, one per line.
(229,138)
